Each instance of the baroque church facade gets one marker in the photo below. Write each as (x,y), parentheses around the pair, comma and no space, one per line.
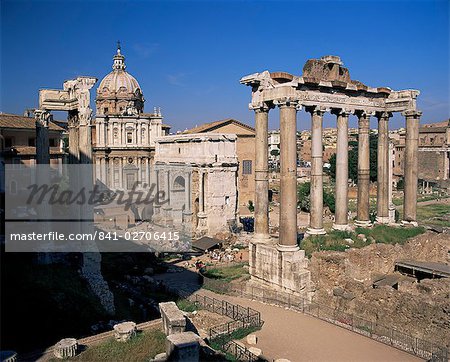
(124,136)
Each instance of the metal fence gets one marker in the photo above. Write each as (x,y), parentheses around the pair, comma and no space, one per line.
(387,335)
(221,335)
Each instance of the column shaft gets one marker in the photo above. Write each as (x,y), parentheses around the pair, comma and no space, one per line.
(383,168)
(410,172)
(341,214)
(261,174)
(363,170)
(288,176)
(316,194)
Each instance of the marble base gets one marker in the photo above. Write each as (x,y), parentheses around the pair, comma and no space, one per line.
(383,220)
(280,267)
(363,223)
(312,231)
(409,223)
(345,227)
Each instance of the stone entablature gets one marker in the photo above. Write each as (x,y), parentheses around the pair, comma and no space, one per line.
(198,149)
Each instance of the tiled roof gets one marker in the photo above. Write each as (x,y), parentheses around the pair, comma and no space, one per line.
(15,121)
(31,151)
(207,127)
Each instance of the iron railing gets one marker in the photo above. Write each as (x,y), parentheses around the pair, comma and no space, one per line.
(387,335)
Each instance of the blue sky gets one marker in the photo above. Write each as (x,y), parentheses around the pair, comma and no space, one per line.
(189,56)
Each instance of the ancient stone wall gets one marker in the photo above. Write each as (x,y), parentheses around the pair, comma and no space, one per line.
(343,280)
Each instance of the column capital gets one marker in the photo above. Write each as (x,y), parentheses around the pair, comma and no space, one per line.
(412,113)
(383,115)
(260,107)
(364,114)
(317,110)
(287,102)
(42,117)
(342,112)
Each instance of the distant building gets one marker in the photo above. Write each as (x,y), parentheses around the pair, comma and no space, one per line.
(18,140)
(124,136)
(18,144)
(245,148)
(433,154)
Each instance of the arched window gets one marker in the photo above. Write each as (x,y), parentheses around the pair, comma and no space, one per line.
(179,183)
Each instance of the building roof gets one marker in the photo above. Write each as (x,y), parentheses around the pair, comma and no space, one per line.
(14,121)
(212,126)
(437,124)
(31,151)
(206,243)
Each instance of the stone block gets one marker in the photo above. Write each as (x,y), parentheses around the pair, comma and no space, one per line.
(282,270)
(173,318)
(256,351)
(252,339)
(161,357)
(65,348)
(183,347)
(123,332)
(282,360)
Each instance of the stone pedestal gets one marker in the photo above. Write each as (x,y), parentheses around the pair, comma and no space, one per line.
(172,318)
(183,347)
(65,348)
(123,332)
(202,225)
(280,267)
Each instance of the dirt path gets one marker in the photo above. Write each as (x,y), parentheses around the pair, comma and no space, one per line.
(298,337)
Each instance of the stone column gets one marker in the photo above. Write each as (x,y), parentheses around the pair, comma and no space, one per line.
(363,170)
(288,176)
(42,118)
(316,193)
(411,150)
(390,183)
(74,152)
(261,174)
(383,168)
(341,214)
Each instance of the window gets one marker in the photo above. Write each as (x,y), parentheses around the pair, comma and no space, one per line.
(247,167)
(32,142)
(13,187)
(8,142)
(52,142)
(105,110)
(129,137)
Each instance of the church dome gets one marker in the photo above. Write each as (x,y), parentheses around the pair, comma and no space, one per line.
(119,90)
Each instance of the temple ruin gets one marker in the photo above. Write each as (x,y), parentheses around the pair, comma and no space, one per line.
(325,86)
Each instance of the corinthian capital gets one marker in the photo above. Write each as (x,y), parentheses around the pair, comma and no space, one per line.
(42,117)
(260,107)
(383,115)
(287,102)
(412,113)
(317,110)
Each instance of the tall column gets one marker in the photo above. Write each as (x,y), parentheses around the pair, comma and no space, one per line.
(383,168)
(261,174)
(316,193)
(42,142)
(411,150)
(341,214)
(390,183)
(363,170)
(288,176)
(74,152)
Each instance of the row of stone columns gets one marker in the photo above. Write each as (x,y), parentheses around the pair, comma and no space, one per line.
(288,170)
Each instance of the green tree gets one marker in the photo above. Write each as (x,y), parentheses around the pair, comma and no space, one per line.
(353,160)
(303,192)
(275,152)
(303,198)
